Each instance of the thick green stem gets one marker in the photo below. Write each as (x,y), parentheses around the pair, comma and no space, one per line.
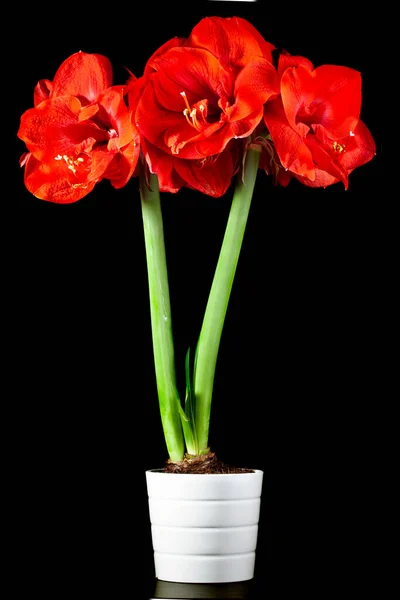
(160,311)
(210,335)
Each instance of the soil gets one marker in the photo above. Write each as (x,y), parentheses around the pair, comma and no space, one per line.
(202,465)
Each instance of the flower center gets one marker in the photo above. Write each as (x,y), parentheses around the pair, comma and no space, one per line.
(78,165)
(191,113)
(71,163)
(338,148)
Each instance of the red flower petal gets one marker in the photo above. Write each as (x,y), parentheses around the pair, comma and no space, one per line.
(339,89)
(265,47)
(336,160)
(53,128)
(360,148)
(290,147)
(322,179)
(43,90)
(116,118)
(212,142)
(198,75)
(100,160)
(228,40)
(87,112)
(163,165)
(210,176)
(135,92)
(297,92)
(170,131)
(193,71)
(151,63)
(245,126)
(83,75)
(254,85)
(39,125)
(161,127)
(325,161)
(54,183)
(123,165)
(286,61)
(284,177)
(329,96)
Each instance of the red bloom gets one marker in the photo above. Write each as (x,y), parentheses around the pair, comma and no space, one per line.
(196,96)
(79,132)
(314,123)
(210,175)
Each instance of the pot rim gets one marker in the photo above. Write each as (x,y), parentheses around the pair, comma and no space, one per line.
(162,472)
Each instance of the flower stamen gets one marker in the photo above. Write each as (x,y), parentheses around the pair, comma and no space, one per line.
(191,113)
(183,94)
(186,112)
(193,116)
(70,162)
(338,148)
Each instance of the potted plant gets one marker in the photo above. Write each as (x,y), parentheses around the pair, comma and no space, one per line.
(209,110)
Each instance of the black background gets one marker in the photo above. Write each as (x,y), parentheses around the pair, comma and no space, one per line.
(295,356)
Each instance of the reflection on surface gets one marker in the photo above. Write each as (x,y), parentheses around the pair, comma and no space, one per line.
(167,590)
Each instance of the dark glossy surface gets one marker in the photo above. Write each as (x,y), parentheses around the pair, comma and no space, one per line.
(225,591)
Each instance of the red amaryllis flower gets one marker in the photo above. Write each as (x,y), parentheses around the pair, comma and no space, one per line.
(210,175)
(314,124)
(199,94)
(79,132)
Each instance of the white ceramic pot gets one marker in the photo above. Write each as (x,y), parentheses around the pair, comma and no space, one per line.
(204,527)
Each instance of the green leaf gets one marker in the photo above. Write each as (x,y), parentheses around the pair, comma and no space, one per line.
(218,299)
(188,397)
(190,401)
(182,413)
(160,315)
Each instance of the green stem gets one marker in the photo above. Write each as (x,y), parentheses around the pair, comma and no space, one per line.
(160,312)
(210,335)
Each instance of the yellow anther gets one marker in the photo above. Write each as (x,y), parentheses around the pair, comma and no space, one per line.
(193,116)
(202,109)
(186,112)
(338,147)
(191,112)
(70,161)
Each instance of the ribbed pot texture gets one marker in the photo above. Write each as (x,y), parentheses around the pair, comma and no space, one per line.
(204,527)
